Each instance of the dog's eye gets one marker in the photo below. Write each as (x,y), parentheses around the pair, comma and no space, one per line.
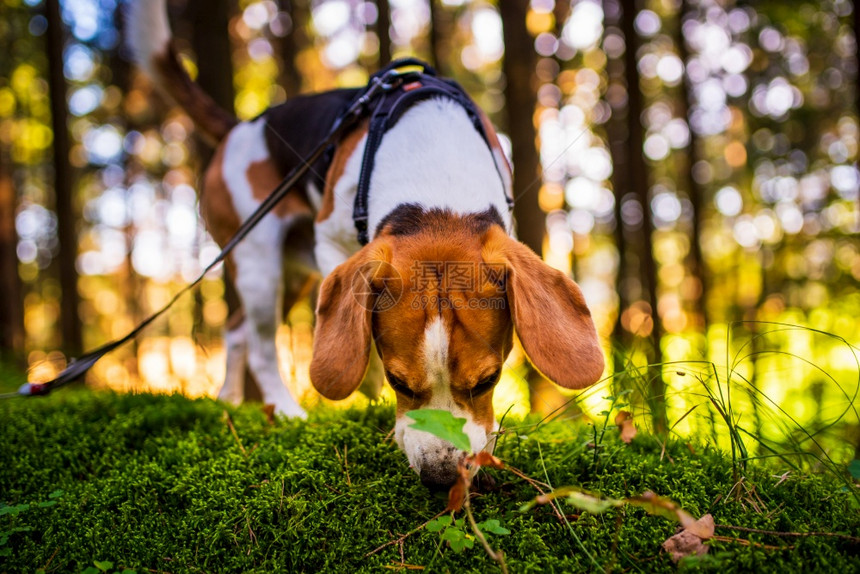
(399,386)
(486,384)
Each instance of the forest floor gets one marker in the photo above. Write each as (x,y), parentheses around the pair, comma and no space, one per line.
(95,481)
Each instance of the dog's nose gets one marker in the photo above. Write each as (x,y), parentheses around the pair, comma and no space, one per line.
(438,477)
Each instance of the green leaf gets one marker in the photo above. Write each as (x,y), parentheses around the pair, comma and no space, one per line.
(91,570)
(103,565)
(56,494)
(129,571)
(457,539)
(441,424)
(493,526)
(47,503)
(438,524)
(461,545)
(14,509)
(452,534)
(854,469)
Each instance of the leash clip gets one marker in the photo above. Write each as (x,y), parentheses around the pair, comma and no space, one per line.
(31,389)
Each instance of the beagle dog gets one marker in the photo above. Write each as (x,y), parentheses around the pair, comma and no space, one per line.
(438,289)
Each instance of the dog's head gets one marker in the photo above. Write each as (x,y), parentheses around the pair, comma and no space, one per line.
(441,296)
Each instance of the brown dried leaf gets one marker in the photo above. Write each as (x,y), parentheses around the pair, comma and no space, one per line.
(484,458)
(684,544)
(456,496)
(690,541)
(624,422)
(703,527)
(659,506)
(460,489)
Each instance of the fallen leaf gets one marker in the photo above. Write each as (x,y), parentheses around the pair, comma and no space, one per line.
(578,497)
(690,540)
(703,527)
(684,544)
(624,422)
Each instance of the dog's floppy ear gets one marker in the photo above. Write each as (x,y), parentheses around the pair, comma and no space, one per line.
(549,314)
(342,339)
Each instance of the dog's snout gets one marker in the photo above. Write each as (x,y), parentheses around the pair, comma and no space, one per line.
(440,477)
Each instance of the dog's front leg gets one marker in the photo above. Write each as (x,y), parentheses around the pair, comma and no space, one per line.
(236,347)
(259,281)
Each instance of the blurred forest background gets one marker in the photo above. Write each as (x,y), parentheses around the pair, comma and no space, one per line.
(692,164)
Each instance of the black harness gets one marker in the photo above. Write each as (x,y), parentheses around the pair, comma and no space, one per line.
(407,89)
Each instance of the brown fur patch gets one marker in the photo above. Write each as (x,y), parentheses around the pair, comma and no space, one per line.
(264,177)
(216,203)
(343,152)
(549,313)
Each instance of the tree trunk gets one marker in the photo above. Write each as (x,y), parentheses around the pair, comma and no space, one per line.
(11,311)
(637,173)
(520,102)
(617,132)
(695,192)
(210,40)
(383,30)
(70,321)
(441,22)
(292,44)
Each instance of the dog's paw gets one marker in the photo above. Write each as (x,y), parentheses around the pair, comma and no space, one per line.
(229,395)
(291,410)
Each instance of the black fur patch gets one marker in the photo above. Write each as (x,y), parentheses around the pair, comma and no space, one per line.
(411,218)
(297,126)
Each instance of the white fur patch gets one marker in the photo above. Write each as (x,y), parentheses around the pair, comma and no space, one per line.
(436,354)
(236,345)
(424,449)
(150,33)
(258,260)
(336,237)
(435,157)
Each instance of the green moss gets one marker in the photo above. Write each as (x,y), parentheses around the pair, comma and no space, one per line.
(161,483)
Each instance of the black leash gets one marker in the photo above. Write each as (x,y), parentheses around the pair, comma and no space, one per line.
(358,109)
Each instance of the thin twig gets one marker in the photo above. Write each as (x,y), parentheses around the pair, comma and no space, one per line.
(235,434)
(746,542)
(795,534)
(404,537)
(536,484)
(497,556)
(48,563)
